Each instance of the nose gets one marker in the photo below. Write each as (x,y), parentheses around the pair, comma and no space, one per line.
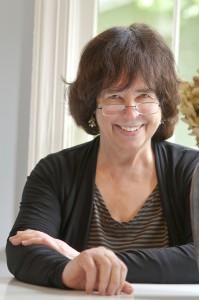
(131,111)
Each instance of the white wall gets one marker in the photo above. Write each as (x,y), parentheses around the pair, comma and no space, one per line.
(16,41)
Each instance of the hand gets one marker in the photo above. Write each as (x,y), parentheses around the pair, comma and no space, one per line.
(34,237)
(97,269)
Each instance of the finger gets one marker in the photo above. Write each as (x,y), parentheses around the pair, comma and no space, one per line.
(118,274)
(39,238)
(123,274)
(19,237)
(114,280)
(104,266)
(19,233)
(23,237)
(15,241)
(32,241)
(87,263)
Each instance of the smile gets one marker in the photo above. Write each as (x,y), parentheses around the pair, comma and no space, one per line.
(131,129)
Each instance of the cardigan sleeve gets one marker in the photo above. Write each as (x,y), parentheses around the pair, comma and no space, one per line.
(162,265)
(53,201)
(40,209)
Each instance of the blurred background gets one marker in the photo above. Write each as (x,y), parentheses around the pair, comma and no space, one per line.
(41,41)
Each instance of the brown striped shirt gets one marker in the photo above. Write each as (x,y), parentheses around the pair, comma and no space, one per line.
(148,229)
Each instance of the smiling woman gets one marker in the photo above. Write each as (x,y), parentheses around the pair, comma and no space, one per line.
(128,173)
(51,126)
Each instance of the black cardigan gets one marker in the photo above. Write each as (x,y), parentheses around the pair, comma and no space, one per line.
(57,199)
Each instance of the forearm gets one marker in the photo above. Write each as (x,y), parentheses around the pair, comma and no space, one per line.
(36,264)
(163,265)
(95,269)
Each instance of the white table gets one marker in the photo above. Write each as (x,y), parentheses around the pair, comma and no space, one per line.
(12,289)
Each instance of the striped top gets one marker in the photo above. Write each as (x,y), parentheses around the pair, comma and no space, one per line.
(148,229)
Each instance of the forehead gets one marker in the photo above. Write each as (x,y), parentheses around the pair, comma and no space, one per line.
(138,86)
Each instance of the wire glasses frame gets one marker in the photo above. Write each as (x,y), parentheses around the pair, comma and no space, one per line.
(146,108)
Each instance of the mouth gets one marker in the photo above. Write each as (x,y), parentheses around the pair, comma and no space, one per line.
(131,129)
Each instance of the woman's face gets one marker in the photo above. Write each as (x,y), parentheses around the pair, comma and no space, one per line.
(126,128)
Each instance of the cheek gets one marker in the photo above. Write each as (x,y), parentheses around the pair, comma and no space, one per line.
(103,122)
(155,121)
(98,117)
(159,117)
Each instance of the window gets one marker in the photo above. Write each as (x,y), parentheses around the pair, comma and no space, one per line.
(178,23)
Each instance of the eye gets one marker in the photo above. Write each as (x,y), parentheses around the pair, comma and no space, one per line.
(146,96)
(114,96)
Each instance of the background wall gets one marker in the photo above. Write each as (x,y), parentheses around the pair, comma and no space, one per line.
(16,42)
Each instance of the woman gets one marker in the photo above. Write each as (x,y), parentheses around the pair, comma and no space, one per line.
(115,210)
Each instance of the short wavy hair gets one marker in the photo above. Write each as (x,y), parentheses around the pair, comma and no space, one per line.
(121,54)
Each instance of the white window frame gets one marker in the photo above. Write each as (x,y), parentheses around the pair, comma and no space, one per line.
(61,29)
(176,39)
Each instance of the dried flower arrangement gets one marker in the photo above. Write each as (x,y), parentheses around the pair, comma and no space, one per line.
(189,106)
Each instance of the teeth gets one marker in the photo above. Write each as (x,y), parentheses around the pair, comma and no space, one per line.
(130,128)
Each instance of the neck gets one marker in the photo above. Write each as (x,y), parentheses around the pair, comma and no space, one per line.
(111,156)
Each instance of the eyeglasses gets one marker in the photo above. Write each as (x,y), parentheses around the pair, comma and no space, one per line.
(145,108)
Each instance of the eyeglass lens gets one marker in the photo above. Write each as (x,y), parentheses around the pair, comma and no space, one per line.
(146,108)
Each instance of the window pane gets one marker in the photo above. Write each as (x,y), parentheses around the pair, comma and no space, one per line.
(188,58)
(156,13)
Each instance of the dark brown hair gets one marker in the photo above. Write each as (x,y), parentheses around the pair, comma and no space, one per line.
(124,53)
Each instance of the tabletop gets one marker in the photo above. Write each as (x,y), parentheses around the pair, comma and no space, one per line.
(11,288)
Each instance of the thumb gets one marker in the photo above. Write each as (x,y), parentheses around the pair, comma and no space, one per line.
(127,288)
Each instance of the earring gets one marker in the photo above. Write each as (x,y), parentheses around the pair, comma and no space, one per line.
(92,122)
(162,122)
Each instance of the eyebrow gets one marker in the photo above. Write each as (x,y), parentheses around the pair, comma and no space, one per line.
(145,90)
(114,90)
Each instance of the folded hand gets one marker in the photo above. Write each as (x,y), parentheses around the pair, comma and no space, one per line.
(97,269)
(35,237)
